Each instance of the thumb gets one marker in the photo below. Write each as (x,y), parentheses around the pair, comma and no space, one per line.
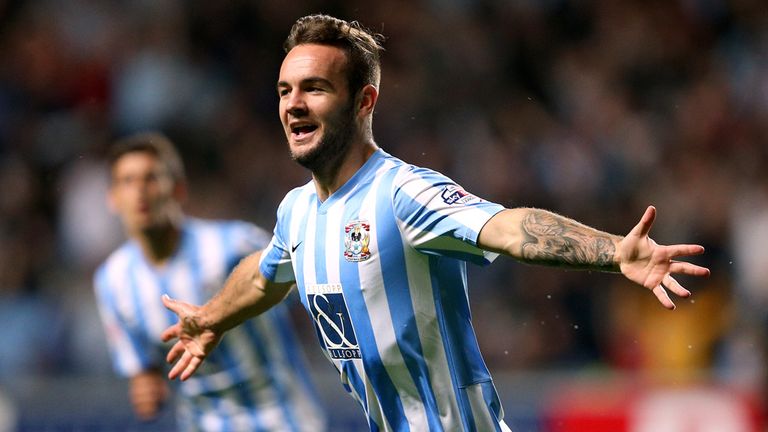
(646,222)
(171,304)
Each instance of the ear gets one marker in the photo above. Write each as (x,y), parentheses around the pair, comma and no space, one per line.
(367,100)
(111,202)
(180,191)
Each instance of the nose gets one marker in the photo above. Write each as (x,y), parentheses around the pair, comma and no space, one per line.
(295,104)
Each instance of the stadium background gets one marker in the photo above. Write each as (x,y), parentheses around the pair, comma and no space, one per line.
(594,109)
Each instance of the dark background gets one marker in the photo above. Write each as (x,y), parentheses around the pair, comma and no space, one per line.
(593,109)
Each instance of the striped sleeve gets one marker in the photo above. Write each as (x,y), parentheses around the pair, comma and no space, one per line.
(248,237)
(438,216)
(276,262)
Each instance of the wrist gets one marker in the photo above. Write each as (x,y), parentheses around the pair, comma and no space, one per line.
(618,257)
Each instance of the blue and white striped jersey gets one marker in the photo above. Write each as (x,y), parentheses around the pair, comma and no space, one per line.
(381,268)
(256,380)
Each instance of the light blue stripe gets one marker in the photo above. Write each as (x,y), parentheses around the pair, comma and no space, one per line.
(348,368)
(463,238)
(280,236)
(298,262)
(400,301)
(383,386)
(465,408)
(321,271)
(454,317)
(273,255)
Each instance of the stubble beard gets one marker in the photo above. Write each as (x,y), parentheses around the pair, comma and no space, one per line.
(333,146)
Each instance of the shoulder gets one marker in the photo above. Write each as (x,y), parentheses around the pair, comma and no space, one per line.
(301,193)
(195,224)
(118,262)
(230,231)
(406,172)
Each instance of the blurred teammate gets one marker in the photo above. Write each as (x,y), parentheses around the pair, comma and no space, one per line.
(378,250)
(257,380)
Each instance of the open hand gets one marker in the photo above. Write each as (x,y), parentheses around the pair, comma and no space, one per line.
(651,265)
(194,343)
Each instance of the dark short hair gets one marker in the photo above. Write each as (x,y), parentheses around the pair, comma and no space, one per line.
(154,143)
(362,46)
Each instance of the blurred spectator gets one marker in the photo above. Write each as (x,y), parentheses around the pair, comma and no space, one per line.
(594,109)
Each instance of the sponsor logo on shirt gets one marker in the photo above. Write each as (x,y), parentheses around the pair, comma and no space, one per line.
(328,307)
(453,194)
(356,240)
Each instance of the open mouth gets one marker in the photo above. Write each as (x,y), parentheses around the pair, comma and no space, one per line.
(303,130)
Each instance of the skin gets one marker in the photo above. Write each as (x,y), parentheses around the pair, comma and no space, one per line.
(313,92)
(147,200)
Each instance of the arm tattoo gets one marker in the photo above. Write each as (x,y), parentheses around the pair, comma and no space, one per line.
(558,241)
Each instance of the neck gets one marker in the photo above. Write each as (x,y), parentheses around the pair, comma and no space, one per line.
(329,180)
(159,243)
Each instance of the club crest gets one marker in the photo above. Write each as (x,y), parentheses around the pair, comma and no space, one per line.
(356,240)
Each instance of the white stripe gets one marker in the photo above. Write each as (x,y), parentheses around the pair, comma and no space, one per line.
(427,195)
(480,411)
(118,282)
(375,295)
(333,236)
(417,269)
(333,257)
(209,248)
(431,337)
(155,320)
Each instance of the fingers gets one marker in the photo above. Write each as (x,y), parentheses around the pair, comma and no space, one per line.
(192,366)
(180,365)
(171,304)
(187,364)
(671,284)
(171,332)
(686,268)
(646,222)
(175,351)
(684,250)
(663,297)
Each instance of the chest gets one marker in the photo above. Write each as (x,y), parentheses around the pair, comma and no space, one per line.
(139,292)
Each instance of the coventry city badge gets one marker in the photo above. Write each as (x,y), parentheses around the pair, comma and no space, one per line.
(356,240)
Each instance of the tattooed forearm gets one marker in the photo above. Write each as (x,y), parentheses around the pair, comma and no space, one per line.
(555,240)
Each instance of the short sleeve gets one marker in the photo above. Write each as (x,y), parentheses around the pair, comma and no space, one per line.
(437,216)
(276,264)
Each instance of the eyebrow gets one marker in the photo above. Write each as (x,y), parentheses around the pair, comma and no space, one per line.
(308,80)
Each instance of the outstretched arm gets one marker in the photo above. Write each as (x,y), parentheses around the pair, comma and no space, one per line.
(245,294)
(542,237)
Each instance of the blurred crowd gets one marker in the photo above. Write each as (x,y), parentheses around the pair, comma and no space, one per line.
(593,109)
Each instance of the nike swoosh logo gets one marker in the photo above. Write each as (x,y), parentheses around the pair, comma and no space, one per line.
(293,248)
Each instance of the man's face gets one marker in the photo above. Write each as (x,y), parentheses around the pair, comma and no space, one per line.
(316,107)
(142,192)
